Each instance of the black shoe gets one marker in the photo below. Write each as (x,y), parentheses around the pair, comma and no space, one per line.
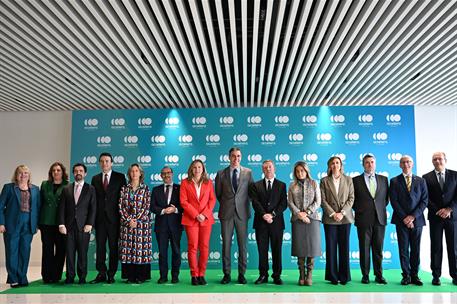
(202,281)
(380,280)
(277,281)
(110,280)
(82,281)
(406,280)
(334,282)
(261,280)
(162,280)
(416,281)
(365,279)
(226,279)
(69,281)
(194,280)
(15,285)
(98,279)
(436,281)
(343,282)
(242,279)
(174,280)
(454,281)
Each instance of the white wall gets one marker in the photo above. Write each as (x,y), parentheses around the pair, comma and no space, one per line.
(37,139)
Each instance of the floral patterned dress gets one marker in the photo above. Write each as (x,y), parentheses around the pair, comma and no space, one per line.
(135,243)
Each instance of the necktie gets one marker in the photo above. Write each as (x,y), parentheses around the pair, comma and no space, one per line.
(105,182)
(441,180)
(167,192)
(372,186)
(77,192)
(235,180)
(408,183)
(269,186)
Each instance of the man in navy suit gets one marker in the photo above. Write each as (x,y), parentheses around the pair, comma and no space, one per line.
(269,200)
(442,208)
(168,213)
(409,198)
(107,184)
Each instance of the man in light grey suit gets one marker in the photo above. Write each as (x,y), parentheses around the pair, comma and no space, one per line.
(232,186)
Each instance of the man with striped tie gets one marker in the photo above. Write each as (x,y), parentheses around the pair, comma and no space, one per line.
(409,198)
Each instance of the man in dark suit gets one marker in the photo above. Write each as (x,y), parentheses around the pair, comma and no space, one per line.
(409,198)
(108,186)
(371,196)
(168,213)
(77,211)
(442,208)
(232,192)
(269,200)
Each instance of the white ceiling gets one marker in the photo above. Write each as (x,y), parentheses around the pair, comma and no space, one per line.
(66,55)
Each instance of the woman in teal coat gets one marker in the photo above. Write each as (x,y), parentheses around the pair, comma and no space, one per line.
(53,242)
(19,211)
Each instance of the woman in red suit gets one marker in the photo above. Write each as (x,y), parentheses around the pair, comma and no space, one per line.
(198,201)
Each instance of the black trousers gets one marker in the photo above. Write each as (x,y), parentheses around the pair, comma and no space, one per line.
(371,237)
(409,241)
(337,252)
(53,253)
(437,227)
(265,235)
(172,237)
(77,246)
(107,232)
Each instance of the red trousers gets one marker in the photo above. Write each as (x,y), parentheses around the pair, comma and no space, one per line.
(198,240)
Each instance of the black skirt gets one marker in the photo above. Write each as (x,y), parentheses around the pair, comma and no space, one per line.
(136,272)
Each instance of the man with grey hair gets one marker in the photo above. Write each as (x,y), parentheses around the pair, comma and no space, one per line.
(442,208)
(409,198)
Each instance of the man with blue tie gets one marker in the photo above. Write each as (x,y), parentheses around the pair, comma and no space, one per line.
(409,198)
(167,208)
(442,208)
(232,192)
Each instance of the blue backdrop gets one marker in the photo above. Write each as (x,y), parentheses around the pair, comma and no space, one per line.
(154,138)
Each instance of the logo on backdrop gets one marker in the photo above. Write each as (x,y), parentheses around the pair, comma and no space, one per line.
(91,124)
(200,157)
(199,122)
(311,159)
(254,160)
(240,139)
(226,121)
(352,138)
(380,138)
(393,120)
(118,161)
(282,121)
(254,121)
(90,161)
(131,141)
(171,160)
(213,140)
(144,160)
(296,139)
(324,139)
(117,123)
(337,120)
(224,159)
(185,140)
(365,120)
(144,123)
(104,141)
(282,159)
(172,122)
(268,139)
(309,120)
(158,140)
(394,158)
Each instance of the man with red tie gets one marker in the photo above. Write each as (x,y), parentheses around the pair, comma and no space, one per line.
(108,186)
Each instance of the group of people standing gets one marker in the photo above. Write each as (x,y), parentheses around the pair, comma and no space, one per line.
(121,211)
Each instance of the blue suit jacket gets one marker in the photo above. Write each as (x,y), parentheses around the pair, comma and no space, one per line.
(412,203)
(10,207)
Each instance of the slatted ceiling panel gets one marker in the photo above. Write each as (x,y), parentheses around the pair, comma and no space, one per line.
(97,54)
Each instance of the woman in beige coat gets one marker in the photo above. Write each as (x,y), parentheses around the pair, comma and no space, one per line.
(337,199)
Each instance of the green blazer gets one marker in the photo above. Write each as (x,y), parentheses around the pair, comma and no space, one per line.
(50,203)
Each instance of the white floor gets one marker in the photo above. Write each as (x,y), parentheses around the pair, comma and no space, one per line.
(328,298)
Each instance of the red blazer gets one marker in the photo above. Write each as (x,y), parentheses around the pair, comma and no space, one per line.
(193,206)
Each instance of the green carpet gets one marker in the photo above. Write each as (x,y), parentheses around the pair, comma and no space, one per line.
(213,277)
